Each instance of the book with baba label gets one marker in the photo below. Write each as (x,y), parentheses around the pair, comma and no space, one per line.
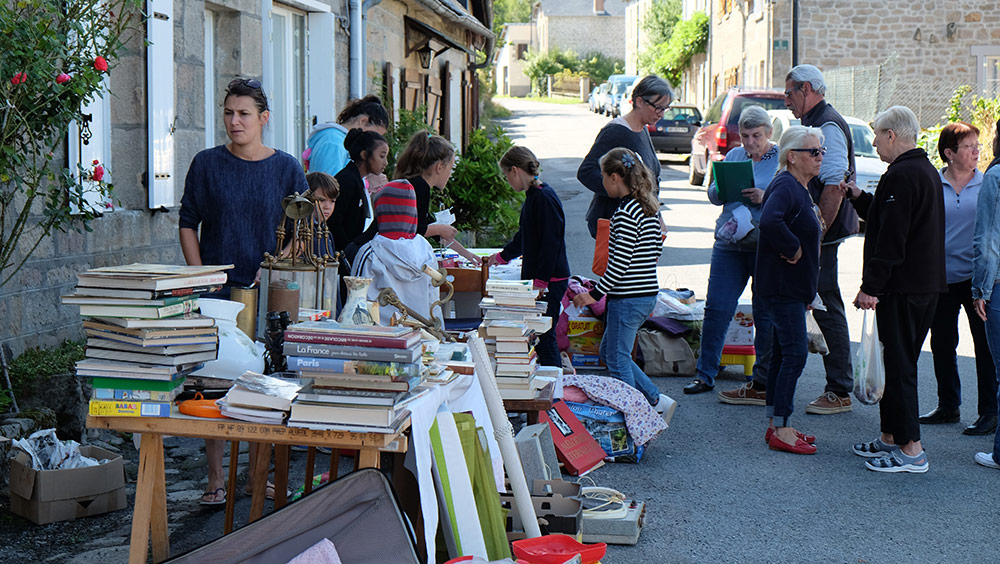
(129,408)
(577,449)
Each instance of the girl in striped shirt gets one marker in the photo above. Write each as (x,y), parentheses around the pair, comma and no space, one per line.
(629,282)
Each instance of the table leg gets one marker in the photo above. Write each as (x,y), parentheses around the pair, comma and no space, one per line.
(158,517)
(310,468)
(367,458)
(234,455)
(532,417)
(262,461)
(280,475)
(334,464)
(150,463)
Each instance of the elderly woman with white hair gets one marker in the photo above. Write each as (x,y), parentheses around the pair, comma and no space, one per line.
(902,277)
(735,249)
(787,279)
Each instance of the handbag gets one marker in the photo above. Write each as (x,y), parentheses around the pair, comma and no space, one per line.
(869,370)
(600,263)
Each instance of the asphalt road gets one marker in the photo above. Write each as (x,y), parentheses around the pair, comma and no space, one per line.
(714,491)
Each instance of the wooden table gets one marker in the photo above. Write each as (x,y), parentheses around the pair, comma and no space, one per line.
(541,402)
(150,515)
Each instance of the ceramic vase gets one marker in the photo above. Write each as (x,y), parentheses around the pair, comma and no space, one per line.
(237,352)
(357,309)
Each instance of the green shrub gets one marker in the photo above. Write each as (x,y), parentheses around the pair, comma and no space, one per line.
(965,106)
(40,363)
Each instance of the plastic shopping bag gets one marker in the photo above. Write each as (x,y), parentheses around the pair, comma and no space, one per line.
(817,342)
(869,371)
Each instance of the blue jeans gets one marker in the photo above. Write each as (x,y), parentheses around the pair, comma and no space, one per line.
(785,320)
(623,318)
(728,275)
(993,336)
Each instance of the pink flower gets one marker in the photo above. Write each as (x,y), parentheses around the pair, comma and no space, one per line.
(100,64)
(63,78)
(18,78)
(98,173)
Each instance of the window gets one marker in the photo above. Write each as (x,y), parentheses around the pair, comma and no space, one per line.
(286,86)
(522,50)
(987,69)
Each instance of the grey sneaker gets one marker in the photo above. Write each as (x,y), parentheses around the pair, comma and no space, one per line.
(986,459)
(874,449)
(829,403)
(896,461)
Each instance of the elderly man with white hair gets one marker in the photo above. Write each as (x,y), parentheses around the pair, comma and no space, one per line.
(902,277)
(804,96)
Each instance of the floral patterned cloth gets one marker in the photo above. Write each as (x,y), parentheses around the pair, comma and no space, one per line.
(643,422)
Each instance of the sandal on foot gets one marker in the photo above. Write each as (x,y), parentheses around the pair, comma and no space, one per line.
(874,449)
(218,497)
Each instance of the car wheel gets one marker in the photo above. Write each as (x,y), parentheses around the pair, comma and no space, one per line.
(694,177)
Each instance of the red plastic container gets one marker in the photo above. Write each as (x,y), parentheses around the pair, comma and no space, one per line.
(556,549)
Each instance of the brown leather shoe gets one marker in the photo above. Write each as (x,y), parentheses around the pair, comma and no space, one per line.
(744,395)
(829,403)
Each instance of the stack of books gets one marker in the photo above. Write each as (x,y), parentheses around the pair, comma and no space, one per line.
(143,334)
(359,376)
(259,399)
(512,320)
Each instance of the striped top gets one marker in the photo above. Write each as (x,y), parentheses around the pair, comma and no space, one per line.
(634,246)
(396,210)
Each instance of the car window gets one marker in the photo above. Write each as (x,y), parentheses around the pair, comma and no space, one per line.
(740,101)
(715,111)
(862,137)
(681,114)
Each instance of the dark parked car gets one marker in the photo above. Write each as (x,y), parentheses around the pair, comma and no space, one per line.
(720,131)
(674,131)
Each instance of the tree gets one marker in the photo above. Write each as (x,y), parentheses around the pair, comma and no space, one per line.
(510,11)
(56,54)
(659,23)
(671,59)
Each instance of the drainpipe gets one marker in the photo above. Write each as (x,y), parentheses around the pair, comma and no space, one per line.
(356,48)
(795,33)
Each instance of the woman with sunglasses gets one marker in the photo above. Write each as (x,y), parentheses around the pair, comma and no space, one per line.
(787,277)
(649,100)
(233,194)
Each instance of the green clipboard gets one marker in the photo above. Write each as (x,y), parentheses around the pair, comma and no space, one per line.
(731,178)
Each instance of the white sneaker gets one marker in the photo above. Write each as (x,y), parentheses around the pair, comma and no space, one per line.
(666,407)
(986,459)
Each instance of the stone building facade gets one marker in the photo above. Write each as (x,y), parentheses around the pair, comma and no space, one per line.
(583,26)
(168,96)
(876,53)
(514,42)
(636,37)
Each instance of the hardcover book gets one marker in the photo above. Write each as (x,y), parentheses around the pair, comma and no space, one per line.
(146,294)
(344,366)
(185,321)
(135,395)
(154,359)
(362,383)
(353,352)
(115,368)
(169,350)
(350,396)
(140,312)
(154,276)
(334,327)
(577,449)
(75,299)
(398,424)
(352,414)
(125,408)
(404,341)
(104,382)
(202,339)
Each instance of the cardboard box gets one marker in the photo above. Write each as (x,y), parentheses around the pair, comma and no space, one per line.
(562,515)
(741,326)
(47,496)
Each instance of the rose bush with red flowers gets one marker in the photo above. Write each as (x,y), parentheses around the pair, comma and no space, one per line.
(37,193)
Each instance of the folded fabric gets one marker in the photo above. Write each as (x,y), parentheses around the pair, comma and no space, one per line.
(642,421)
(668,325)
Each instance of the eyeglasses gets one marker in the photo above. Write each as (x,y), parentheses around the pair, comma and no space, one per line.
(813,152)
(657,109)
(788,93)
(248,82)
(972,146)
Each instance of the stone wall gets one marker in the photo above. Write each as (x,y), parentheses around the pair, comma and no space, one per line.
(586,34)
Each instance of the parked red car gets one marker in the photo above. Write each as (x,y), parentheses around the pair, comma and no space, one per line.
(720,131)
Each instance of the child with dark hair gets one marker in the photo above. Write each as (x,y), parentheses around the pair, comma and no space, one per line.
(540,242)
(326,151)
(369,154)
(324,190)
(630,283)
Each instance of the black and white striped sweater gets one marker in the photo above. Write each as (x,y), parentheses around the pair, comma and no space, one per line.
(634,246)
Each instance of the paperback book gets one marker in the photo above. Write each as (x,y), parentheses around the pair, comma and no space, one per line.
(124,408)
(135,395)
(145,294)
(400,422)
(403,341)
(140,312)
(352,352)
(185,321)
(153,276)
(344,366)
(150,359)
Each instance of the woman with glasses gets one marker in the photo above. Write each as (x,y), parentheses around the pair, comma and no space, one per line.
(649,100)
(902,277)
(733,257)
(787,277)
(958,147)
(233,194)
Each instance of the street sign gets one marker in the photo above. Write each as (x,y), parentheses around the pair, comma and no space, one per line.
(780,44)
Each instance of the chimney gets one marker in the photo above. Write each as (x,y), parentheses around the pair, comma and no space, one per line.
(598,6)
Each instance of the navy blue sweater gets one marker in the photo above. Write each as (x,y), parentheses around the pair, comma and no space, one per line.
(787,223)
(237,204)
(541,240)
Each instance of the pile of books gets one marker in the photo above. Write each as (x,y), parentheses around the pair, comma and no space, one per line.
(259,399)
(512,320)
(359,377)
(143,334)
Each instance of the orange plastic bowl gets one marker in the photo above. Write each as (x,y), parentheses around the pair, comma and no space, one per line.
(556,549)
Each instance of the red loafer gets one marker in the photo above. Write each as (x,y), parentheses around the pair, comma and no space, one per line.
(800,446)
(807,438)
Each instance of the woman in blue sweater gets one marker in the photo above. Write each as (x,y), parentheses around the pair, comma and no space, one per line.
(233,193)
(540,242)
(787,275)
(634,246)
(733,258)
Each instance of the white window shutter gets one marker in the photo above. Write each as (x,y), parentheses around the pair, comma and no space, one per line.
(89,140)
(160,103)
(322,67)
